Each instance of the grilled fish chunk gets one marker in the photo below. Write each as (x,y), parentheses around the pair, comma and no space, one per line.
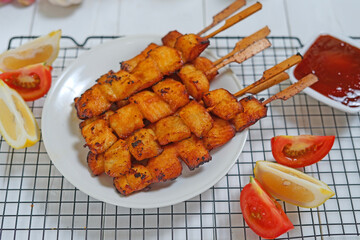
(172,92)
(98,136)
(193,152)
(138,178)
(130,64)
(194,80)
(91,103)
(171,129)
(196,118)
(191,46)
(167,59)
(106,115)
(96,163)
(170,38)
(204,64)
(148,72)
(118,86)
(152,107)
(117,159)
(142,144)
(253,111)
(126,120)
(166,166)
(223,103)
(221,132)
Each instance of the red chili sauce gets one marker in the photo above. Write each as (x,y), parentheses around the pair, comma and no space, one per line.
(337,65)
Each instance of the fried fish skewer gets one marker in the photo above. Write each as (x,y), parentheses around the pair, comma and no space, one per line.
(124,183)
(224,14)
(148,105)
(171,38)
(227,107)
(196,82)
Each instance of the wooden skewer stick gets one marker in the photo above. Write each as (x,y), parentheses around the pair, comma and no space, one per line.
(258,86)
(294,89)
(236,18)
(269,76)
(224,14)
(286,64)
(245,42)
(243,55)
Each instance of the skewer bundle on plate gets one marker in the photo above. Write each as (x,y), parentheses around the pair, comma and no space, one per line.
(140,121)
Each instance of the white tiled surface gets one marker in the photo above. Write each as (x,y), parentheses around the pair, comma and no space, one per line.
(124,17)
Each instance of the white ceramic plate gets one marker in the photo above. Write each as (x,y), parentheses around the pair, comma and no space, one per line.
(315,94)
(64,143)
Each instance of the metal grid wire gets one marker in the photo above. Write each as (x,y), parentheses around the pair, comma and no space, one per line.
(37,202)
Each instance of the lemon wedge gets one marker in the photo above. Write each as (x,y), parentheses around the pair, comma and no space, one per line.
(17,123)
(42,49)
(291,185)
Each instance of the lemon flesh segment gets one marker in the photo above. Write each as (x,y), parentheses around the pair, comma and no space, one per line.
(42,49)
(291,185)
(17,123)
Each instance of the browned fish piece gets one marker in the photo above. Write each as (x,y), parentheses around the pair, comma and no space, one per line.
(170,38)
(126,120)
(191,46)
(138,178)
(221,132)
(222,103)
(98,136)
(152,107)
(167,59)
(193,152)
(117,159)
(148,72)
(130,64)
(194,80)
(204,64)
(253,111)
(166,166)
(106,115)
(142,144)
(119,85)
(171,129)
(91,103)
(196,118)
(172,92)
(96,163)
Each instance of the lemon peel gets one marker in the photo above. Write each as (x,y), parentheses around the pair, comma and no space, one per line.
(17,123)
(291,185)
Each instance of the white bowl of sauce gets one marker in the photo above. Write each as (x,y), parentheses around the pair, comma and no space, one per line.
(335,60)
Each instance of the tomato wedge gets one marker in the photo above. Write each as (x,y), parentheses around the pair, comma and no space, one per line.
(300,151)
(262,212)
(31,82)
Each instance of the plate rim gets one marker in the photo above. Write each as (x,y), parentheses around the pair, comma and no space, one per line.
(128,204)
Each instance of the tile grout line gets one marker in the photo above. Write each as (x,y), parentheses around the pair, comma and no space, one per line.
(33,18)
(204,12)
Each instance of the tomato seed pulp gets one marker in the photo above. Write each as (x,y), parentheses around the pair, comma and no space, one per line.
(337,65)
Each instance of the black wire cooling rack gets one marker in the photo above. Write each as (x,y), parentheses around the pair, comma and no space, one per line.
(37,202)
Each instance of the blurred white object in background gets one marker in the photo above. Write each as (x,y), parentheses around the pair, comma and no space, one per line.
(65,3)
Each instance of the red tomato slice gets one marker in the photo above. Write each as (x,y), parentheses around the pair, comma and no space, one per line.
(262,212)
(300,151)
(31,82)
